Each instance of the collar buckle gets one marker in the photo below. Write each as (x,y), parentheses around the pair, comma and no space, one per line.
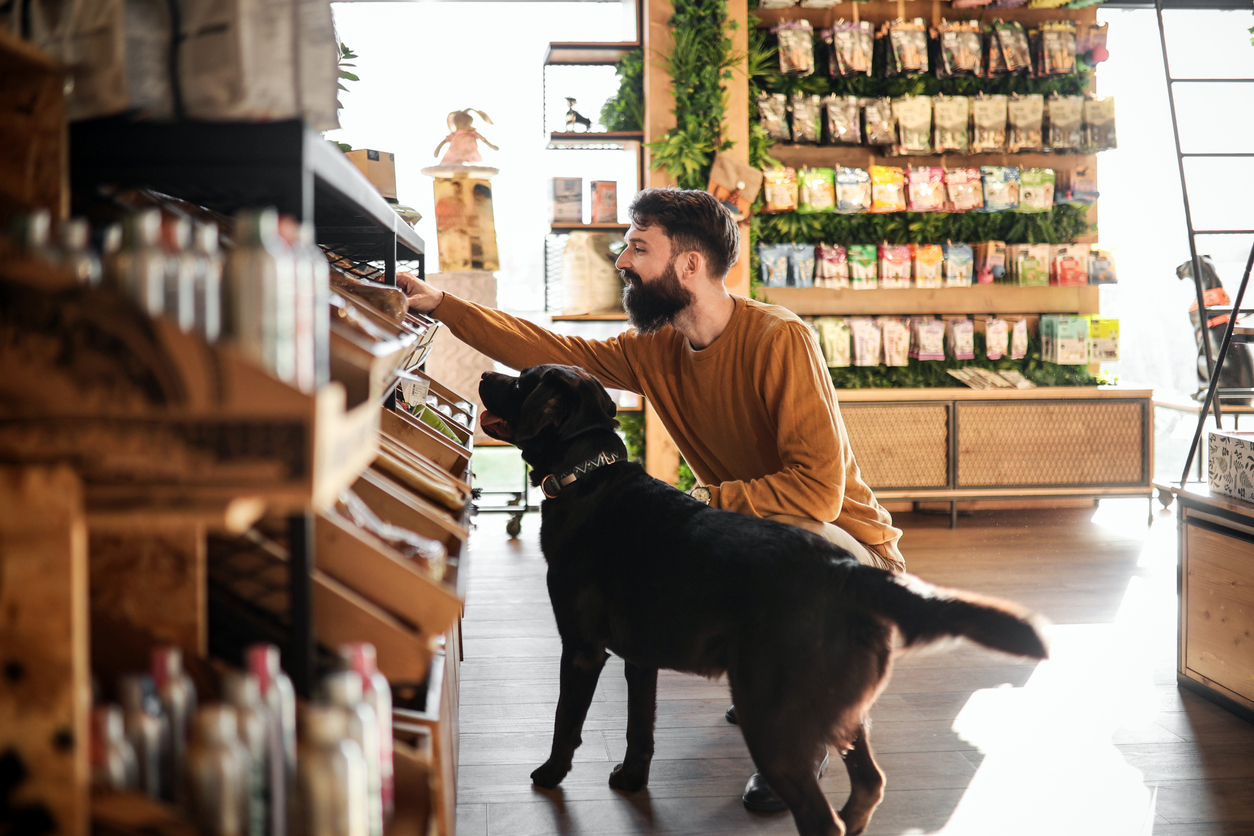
(550,486)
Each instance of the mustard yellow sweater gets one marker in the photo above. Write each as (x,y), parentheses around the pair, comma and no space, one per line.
(754,413)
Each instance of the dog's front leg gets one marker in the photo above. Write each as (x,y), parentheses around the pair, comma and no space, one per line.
(633,773)
(580,671)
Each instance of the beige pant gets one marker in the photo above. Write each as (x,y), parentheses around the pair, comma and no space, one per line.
(867,555)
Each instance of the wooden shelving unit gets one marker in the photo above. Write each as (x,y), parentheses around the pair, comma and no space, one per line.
(862,156)
(597,140)
(885,11)
(588,53)
(605,317)
(560,228)
(914,301)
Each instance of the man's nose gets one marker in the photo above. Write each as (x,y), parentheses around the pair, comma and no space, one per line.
(622,262)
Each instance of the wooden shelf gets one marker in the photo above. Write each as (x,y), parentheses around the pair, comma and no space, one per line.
(588,52)
(977,299)
(861,156)
(605,317)
(884,11)
(559,228)
(962,393)
(597,140)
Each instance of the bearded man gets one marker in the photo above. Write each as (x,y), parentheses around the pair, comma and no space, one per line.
(741,386)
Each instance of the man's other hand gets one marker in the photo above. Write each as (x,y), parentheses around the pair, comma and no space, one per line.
(422,297)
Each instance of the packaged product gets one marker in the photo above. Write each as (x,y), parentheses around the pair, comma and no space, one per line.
(1026,119)
(819,4)
(796,47)
(960,339)
(888,189)
(1036,189)
(1068,266)
(842,123)
(834,336)
(1012,43)
(1077,187)
(990,261)
(800,265)
(1016,379)
(853,190)
(816,190)
(773,264)
(907,47)
(959,48)
(1099,124)
(831,266)
(1028,264)
(773,112)
(894,266)
(567,199)
(928,264)
(777,4)
(914,124)
(1066,123)
(994,60)
(779,190)
(988,124)
(604,201)
(1053,48)
(851,47)
(964,190)
(867,346)
(879,126)
(925,189)
(928,341)
(951,116)
(1102,266)
(958,265)
(1001,187)
(1019,340)
(996,338)
(1103,340)
(863,266)
(1065,339)
(1091,43)
(895,336)
(807,118)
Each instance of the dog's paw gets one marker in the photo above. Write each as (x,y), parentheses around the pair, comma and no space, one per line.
(630,777)
(549,775)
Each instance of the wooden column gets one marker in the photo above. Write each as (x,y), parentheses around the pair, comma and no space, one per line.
(45,691)
(736,126)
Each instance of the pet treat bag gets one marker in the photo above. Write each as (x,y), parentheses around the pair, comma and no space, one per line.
(834,337)
(1019,340)
(996,338)
(959,47)
(1026,119)
(894,266)
(990,261)
(929,339)
(988,124)
(1013,43)
(1065,117)
(817,190)
(773,112)
(925,191)
(773,264)
(964,189)
(851,46)
(951,116)
(1099,124)
(958,266)
(842,120)
(807,118)
(1054,48)
(879,126)
(1069,265)
(1102,266)
(867,346)
(888,189)
(1036,190)
(1103,340)
(796,47)
(780,190)
(907,44)
(928,260)
(895,338)
(914,124)
(1028,264)
(831,267)
(960,339)
(1001,187)
(800,265)
(863,266)
(853,190)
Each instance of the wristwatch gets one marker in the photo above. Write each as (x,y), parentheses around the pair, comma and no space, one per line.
(701,494)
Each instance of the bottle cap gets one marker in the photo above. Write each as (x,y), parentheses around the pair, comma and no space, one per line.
(342,688)
(263,661)
(167,665)
(359,657)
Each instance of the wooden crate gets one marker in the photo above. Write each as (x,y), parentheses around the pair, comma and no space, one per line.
(33,165)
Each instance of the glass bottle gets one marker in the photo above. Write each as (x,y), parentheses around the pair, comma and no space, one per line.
(30,231)
(145,729)
(75,253)
(280,698)
(332,778)
(113,763)
(180,272)
(302,304)
(361,659)
(217,775)
(207,283)
(178,703)
(137,269)
(257,733)
(259,297)
(343,689)
(321,305)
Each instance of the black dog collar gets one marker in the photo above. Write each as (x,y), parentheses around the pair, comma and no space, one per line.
(552,485)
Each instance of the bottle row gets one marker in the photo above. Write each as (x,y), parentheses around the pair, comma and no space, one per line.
(239,767)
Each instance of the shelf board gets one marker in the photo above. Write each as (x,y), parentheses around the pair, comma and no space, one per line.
(977,299)
(588,52)
(603,317)
(884,11)
(962,393)
(596,140)
(861,156)
(559,228)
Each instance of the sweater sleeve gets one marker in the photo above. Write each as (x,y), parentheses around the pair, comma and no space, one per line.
(520,344)
(797,392)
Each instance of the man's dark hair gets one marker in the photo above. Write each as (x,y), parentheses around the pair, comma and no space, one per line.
(694,221)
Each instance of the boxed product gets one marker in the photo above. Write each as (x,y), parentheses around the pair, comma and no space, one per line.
(853,190)
(1036,190)
(1001,187)
(1019,340)
(888,189)
(1103,340)
(964,190)
(567,201)
(831,266)
(928,261)
(1069,265)
(834,337)
(1028,264)
(1102,266)
(1230,463)
(864,266)
(800,265)
(816,190)
(960,339)
(996,338)
(894,266)
(604,201)
(895,336)
(958,267)
(925,190)
(779,190)
(379,168)
(990,261)
(867,345)
(1065,339)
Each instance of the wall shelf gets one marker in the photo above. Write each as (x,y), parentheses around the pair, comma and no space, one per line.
(558,228)
(884,11)
(596,140)
(977,299)
(588,52)
(604,317)
(862,156)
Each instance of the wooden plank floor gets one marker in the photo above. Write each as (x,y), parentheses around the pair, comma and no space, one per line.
(1098,740)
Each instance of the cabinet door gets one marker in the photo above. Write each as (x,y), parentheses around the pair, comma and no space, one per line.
(900,445)
(1218,610)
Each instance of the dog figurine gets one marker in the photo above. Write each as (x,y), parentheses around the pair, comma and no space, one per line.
(804,632)
(574,117)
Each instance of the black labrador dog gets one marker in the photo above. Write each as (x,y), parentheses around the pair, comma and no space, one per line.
(804,632)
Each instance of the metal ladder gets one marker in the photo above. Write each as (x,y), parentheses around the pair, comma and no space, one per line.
(1232,333)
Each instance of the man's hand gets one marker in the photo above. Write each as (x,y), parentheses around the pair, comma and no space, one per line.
(422,297)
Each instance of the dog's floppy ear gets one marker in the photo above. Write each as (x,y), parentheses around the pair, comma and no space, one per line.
(567,401)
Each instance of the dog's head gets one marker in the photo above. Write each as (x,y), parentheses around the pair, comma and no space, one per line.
(544,411)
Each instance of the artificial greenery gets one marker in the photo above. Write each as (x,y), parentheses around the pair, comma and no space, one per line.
(625,112)
(699,63)
(346,55)
(686,481)
(631,428)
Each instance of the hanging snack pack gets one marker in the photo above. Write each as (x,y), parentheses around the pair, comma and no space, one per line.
(960,339)
(1027,265)
(816,190)
(959,49)
(773,111)
(807,118)
(906,44)
(796,47)
(1019,340)
(831,267)
(863,266)
(1026,121)
(1102,266)
(1012,44)
(1053,48)
(851,46)
(996,338)
(834,336)
(895,336)
(1077,186)
(914,124)
(1036,189)
(1066,123)
(800,265)
(928,339)
(867,346)
(1103,340)
(964,190)
(853,190)
(990,261)
(988,124)
(951,116)
(773,264)
(925,191)
(1091,43)
(894,266)
(928,260)
(779,190)
(888,189)
(1001,187)
(842,120)
(879,126)
(958,266)
(1069,265)
(1099,124)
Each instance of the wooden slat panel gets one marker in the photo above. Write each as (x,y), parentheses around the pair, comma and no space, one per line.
(1219,600)
(900,445)
(344,616)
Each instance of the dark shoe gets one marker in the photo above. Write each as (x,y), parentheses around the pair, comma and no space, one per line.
(731,716)
(760,798)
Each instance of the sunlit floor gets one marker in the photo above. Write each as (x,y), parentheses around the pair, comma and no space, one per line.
(1098,740)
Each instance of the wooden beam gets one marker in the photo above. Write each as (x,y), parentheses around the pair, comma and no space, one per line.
(736,125)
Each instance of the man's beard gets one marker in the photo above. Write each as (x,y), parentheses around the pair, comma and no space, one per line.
(651,307)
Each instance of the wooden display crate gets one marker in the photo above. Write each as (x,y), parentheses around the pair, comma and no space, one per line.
(427,442)
(32,131)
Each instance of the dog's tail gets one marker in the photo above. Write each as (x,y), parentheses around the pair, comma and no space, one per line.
(924,614)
